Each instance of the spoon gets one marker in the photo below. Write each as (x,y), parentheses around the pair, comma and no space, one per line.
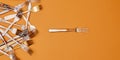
(32,27)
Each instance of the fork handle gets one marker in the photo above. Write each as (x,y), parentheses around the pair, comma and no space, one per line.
(58,30)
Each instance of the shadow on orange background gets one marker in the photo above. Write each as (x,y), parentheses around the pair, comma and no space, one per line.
(102,42)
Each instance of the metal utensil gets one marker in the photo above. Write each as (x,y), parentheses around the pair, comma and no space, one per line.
(13,30)
(52,30)
(15,20)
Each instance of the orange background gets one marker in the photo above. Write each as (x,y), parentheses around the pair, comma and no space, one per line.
(102,42)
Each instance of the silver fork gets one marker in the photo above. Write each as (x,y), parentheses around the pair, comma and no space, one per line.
(53,30)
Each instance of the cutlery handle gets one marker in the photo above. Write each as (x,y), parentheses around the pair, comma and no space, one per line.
(58,30)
